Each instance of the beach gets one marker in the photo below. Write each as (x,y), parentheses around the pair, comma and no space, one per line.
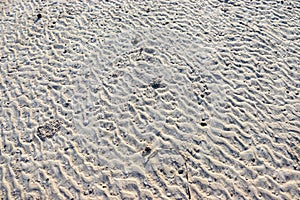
(122,99)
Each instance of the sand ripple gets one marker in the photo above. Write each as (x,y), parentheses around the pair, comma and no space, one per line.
(149,99)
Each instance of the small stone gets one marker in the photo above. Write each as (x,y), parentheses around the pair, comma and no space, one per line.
(85,122)
(156,84)
(203,124)
(146,151)
(56,87)
(66,104)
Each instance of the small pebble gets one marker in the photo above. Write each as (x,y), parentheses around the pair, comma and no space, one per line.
(85,122)
(203,124)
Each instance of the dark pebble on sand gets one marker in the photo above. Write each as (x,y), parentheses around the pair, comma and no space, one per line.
(156,85)
(203,124)
(56,87)
(66,105)
(146,151)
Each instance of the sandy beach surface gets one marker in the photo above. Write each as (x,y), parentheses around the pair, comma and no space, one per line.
(158,99)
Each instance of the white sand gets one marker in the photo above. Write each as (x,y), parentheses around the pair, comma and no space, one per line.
(150,99)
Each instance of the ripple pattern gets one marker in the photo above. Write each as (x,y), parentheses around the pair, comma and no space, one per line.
(150,99)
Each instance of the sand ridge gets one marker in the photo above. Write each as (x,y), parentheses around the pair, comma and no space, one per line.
(149,100)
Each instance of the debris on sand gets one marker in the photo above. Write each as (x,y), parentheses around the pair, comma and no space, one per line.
(48,130)
(155,84)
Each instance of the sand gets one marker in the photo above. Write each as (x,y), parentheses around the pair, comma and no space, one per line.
(186,99)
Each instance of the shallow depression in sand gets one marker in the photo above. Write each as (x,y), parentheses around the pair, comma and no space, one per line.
(149,99)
